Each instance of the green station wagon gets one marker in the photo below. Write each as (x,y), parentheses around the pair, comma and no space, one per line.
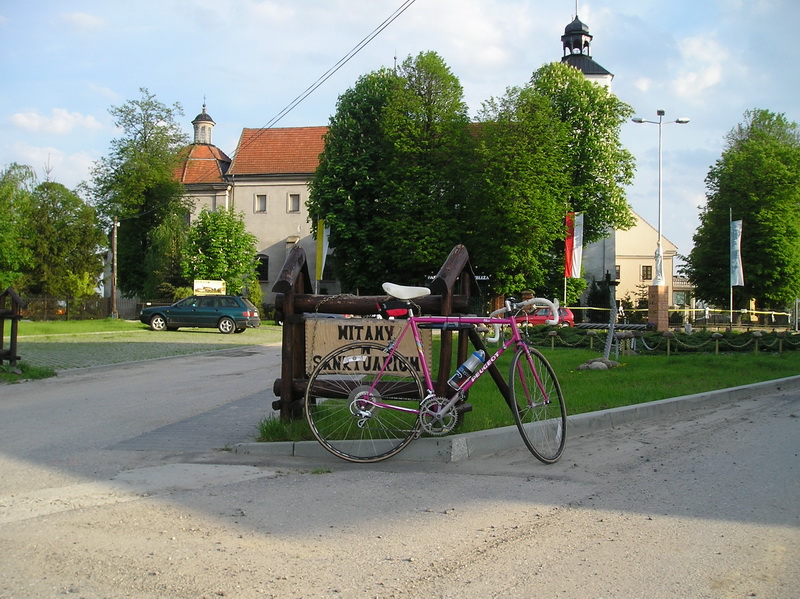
(228,313)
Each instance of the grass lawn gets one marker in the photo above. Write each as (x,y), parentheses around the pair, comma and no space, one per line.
(77,327)
(50,346)
(639,379)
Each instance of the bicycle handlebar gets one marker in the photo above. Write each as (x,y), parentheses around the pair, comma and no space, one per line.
(518,306)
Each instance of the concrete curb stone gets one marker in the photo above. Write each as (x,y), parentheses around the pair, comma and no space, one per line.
(455,448)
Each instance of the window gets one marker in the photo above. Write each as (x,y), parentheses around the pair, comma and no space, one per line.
(616,272)
(294,202)
(261,203)
(647,273)
(262,269)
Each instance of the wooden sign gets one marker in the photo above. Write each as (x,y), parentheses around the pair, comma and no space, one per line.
(323,335)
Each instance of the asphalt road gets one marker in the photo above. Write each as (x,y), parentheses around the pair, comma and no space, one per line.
(116,482)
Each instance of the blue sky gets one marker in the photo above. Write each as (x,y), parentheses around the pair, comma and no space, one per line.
(63,64)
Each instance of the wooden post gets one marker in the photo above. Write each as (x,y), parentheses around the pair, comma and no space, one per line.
(14,314)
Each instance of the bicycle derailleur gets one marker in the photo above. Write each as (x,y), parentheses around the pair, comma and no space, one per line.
(435,419)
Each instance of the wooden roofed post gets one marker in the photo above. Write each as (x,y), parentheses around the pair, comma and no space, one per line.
(294,279)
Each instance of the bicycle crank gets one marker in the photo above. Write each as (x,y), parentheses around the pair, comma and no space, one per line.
(434,419)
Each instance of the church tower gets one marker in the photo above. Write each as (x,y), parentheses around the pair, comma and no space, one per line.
(203,127)
(203,168)
(577,53)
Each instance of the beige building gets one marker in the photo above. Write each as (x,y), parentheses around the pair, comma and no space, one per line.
(267,182)
(629,257)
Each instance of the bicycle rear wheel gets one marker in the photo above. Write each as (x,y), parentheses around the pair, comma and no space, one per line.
(341,398)
(538,405)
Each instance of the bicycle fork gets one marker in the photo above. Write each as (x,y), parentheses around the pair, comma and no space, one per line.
(527,389)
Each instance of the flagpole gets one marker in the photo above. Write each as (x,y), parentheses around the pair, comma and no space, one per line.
(730,277)
(566,220)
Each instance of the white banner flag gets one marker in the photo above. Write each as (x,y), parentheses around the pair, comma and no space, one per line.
(737,273)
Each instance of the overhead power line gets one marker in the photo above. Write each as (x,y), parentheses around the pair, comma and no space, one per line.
(342,61)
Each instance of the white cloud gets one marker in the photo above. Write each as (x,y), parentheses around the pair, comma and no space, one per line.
(69,169)
(60,123)
(105,92)
(703,61)
(643,84)
(82,21)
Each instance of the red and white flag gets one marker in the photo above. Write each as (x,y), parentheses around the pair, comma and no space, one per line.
(574,245)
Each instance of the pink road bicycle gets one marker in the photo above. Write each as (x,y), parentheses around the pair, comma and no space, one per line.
(366,402)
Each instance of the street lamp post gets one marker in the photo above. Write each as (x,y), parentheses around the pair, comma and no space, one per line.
(659,277)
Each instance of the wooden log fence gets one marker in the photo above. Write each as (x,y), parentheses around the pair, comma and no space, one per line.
(451,291)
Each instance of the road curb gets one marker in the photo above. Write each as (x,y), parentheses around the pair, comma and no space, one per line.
(455,448)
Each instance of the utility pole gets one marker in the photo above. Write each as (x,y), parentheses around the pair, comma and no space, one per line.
(114,269)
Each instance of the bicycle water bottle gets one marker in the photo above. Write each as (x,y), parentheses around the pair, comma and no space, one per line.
(467,369)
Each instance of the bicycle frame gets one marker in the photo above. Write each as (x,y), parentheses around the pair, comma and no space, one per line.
(413,323)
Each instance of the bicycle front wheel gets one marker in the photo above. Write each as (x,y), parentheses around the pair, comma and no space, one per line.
(538,405)
(363,405)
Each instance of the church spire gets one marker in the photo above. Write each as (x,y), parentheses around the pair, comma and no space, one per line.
(203,127)
(577,52)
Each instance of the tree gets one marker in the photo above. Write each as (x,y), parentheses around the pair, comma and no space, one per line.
(136,182)
(390,178)
(518,211)
(599,167)
(65,241)
(164,272)
(426,121)
(218,247)
(405,176)
(16,186)
(757,181)
(351,180)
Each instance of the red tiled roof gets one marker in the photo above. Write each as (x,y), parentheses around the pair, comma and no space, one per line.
(203,164)
(278,151)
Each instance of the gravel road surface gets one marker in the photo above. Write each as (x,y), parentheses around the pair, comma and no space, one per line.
(116,483)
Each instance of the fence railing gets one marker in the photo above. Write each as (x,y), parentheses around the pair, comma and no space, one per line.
(59,308)
(704,319)
(667,342)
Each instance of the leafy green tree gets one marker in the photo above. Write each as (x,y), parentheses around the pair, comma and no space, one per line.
(351,181)
(390,180)
(164,272)
(518,211)
(218,247)
(599,167)
(426,121)
(135,183)
(757,181)
(65,241)
(16,187)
